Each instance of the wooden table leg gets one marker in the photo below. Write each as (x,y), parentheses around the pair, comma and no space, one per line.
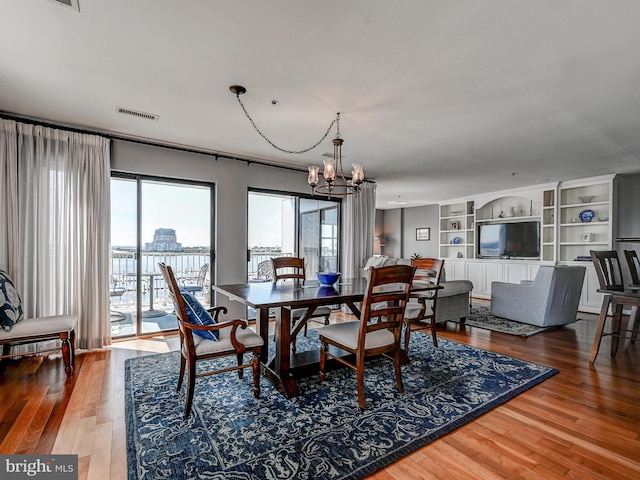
(262,329)
(354,309)
(279,369)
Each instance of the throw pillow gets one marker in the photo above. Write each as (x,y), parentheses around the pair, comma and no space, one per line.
(198,315)
(10,303)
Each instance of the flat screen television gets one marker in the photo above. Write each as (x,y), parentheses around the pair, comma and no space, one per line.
(509,239)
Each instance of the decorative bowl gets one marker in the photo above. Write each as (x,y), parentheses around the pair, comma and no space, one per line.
(328,278)
(587,216)
(586,199)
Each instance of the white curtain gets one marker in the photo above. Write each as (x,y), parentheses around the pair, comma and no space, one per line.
(358,222)
(9,256)
(63,181)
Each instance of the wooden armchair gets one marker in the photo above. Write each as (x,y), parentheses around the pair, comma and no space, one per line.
(203,338)
(421,309)
(293,268)
(379,328)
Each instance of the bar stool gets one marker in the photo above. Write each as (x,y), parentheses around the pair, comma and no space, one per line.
(609,273)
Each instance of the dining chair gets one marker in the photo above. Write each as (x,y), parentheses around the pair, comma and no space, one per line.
(203,336)
(634,270)
(379,329)
(293,268)
(634,267)
(609,272)
(421,309)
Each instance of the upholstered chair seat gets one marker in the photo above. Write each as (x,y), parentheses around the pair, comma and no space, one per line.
(347,334)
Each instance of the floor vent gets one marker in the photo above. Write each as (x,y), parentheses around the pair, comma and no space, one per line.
(72,4)
(128,111)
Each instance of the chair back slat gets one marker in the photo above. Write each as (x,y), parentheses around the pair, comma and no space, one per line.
(428,270)
(608,269)
(634,265)
(391,286)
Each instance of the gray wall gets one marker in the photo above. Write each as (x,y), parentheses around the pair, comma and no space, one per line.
(392,233)
(232,179)
(399,227)
(628,205)
(421,217)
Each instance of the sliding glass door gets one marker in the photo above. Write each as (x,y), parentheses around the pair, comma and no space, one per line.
(157,220)
(319,236)
(292,225)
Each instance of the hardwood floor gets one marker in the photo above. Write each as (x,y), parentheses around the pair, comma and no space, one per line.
(582,423)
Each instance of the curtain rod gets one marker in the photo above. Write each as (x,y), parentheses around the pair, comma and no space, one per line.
(112,136)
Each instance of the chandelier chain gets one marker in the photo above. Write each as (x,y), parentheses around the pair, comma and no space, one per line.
(297,152)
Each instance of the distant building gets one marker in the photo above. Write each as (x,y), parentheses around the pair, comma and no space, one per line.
(164,240)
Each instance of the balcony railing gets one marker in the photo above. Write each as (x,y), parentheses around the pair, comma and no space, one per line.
(124,282)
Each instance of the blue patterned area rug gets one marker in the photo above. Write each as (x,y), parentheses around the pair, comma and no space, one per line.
(481,317)
(322,434)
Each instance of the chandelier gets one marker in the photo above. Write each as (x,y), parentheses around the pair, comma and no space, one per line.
(335,182)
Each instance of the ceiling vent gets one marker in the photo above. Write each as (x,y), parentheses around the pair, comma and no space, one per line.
(72,4)
(128,111)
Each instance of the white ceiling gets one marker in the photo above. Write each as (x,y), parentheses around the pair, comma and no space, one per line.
(438,99)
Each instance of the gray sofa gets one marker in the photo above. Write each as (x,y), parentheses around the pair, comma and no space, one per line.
(453,300)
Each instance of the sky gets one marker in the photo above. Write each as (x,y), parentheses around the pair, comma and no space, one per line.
(165,205)
(265,220)
(183,208)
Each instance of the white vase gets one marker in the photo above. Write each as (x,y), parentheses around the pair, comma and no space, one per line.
(511,212)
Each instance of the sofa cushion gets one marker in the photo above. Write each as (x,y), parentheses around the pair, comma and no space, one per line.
(10,303)
(378,262)
(455,287)
(198,315)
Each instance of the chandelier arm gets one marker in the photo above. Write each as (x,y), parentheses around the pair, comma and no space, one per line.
(297,152)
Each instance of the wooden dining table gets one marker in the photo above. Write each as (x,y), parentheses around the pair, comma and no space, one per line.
(284,365)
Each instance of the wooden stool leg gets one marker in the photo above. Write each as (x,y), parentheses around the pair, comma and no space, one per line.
(616,328)
(633,325)
(600,328)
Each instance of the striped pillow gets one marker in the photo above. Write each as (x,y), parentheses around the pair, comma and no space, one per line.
(10,303)
(198,315)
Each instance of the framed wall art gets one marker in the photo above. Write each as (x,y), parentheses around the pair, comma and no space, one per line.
(423,233)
